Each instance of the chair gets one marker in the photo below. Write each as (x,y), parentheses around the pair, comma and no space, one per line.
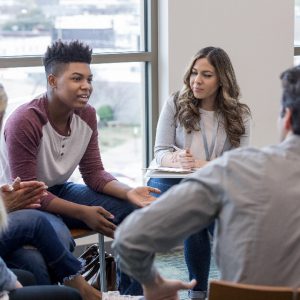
(224,290)
(79,233)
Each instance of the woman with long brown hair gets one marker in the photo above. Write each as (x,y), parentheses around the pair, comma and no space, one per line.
(198,124)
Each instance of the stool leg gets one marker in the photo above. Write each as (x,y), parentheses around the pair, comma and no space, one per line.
(102,263)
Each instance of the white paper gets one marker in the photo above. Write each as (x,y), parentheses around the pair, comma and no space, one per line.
(155,167)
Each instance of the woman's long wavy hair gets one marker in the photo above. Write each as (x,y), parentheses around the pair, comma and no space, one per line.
(227,98)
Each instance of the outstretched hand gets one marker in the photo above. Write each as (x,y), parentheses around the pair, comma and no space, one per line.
(141,196)
(166,289)
(20,195)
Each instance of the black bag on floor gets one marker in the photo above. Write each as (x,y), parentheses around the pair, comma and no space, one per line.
(91,271)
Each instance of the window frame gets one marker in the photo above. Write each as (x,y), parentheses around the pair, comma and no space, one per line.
(149,57)
(296,50)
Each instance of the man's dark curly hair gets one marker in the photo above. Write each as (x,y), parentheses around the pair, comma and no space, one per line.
(61,53)
(291,95)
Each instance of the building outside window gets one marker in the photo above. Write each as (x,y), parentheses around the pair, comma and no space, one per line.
(121,35)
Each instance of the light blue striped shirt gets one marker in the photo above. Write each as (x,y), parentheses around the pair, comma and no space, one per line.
(253,195)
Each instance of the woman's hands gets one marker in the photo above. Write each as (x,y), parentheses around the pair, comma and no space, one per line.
(22,195)
(187,161)
(141,196)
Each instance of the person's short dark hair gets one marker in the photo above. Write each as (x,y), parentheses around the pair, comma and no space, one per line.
(291,95)
(61,53)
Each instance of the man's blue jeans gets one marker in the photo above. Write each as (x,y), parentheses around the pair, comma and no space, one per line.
(197,250)
(82,194)
(32,227)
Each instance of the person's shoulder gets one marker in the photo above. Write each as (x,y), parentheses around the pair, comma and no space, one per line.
(242,156)
(32,111)
(171,101)
(173,98)
(244,151)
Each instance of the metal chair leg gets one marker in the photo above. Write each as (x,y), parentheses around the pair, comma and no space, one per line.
(102,263)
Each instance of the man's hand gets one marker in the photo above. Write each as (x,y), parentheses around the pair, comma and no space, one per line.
(165,289)
(22,195)
(141,196)
(96,217)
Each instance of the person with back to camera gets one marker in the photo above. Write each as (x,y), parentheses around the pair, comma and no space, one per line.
(198,124)
(254,197)
(47,138)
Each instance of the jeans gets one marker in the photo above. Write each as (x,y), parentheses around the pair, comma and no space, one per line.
(197,251)
(31,227)
(45,293)
(24,277)
(82,194)
(33,292)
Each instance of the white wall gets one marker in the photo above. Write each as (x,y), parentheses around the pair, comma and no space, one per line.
(257,35)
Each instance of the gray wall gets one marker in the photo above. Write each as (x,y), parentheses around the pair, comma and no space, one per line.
(257,35)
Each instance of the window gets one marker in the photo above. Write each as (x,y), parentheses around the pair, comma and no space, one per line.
(297,33)
(123,36)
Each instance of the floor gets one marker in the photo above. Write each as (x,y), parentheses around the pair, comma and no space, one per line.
(171,265)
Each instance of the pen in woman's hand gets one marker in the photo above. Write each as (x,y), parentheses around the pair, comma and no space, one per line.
(176,148)
(179,149)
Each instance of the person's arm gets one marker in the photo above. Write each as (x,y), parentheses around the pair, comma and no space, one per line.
(8,280)
(178,213)
(22,134)
(96,217)
(167,153)
(90,165)
(95,176)
(140,196)
(245,138)
(164,152)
